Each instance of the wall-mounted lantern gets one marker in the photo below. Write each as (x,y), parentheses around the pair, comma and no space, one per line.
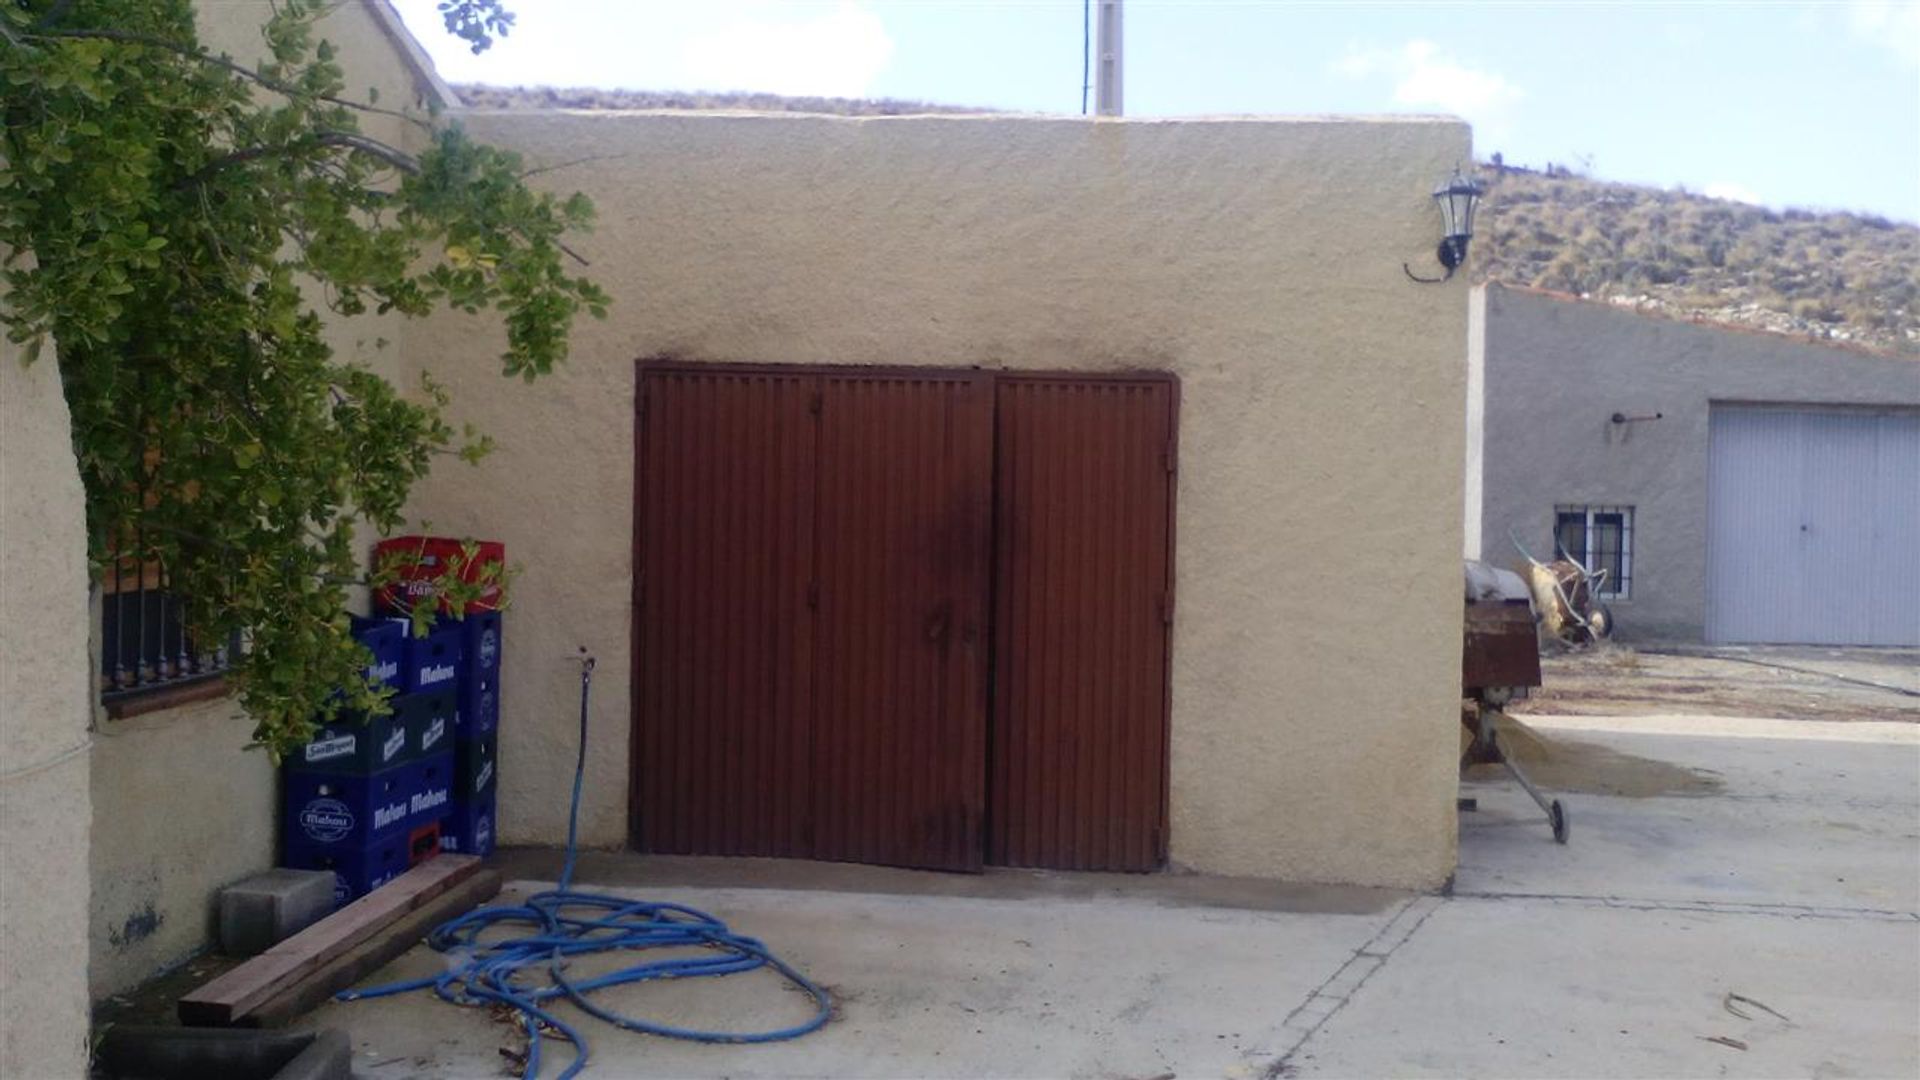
(1457,198)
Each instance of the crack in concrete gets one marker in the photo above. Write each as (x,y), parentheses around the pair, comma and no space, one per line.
(1708,907)
(1338,989)
(1904,805)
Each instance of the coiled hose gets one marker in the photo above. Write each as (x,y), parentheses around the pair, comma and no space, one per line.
(564,923)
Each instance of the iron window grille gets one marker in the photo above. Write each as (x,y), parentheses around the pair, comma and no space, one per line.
(1599,538)
(145,643)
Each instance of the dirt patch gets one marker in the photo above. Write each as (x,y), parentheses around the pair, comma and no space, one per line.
(1558,764)
(1614,680)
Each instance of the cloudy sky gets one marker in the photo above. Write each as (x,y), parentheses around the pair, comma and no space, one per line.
(1782,104)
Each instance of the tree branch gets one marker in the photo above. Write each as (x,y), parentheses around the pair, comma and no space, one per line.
(350,140)
(570,164)
(570,253)
(54,14)
(129,38)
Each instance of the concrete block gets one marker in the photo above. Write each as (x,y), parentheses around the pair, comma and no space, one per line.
(269,907)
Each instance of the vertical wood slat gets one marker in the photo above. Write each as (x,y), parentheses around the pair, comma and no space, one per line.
(810,674)
(1083,548)
(723,683)
(900,731)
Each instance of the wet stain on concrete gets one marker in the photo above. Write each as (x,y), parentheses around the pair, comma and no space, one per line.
(1560,764)
(138,927)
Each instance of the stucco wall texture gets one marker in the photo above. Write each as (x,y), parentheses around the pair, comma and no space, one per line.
(1555,370)
(155,874)
(45,696)
(1316,643)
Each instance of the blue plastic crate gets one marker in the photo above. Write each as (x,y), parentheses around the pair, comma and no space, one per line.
(418,725)
(386,639)
(353,746)
(479,707)
(340,811)
(433,721)
(480,643)
(357,870)
(432,661)
(469,828)
(475,766)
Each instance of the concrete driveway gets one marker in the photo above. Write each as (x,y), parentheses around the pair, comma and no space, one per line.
(1785,871)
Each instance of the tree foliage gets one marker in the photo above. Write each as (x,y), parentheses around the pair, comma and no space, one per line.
(169,218)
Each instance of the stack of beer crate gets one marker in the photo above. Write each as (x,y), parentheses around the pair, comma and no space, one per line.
(469,828)
(369,797)
(470,825)
(366,797)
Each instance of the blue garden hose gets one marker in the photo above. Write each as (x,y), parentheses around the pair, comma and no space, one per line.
(564,923)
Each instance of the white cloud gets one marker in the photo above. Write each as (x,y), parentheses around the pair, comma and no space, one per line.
(834,49)
(837,52)
(1893,25)
(1733,192)
(1427,77)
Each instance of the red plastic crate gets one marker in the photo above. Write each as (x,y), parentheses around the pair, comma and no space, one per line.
(435,554)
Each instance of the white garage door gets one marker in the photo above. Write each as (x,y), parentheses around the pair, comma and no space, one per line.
(1813,526)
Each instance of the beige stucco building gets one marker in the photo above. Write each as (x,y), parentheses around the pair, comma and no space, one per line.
(46,694)
(1255,262)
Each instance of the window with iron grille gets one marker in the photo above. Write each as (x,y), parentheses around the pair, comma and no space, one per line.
(145,644)
(1599,538)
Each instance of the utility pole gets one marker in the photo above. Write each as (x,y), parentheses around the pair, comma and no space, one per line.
(1108,80)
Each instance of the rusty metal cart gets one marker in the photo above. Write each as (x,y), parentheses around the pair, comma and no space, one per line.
(1500,661)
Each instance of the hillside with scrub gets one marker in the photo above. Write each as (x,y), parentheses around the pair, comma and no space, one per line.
(1825,275)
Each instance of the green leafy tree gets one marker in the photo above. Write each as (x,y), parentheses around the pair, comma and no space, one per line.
(168,217)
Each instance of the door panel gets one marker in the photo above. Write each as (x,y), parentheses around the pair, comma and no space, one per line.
(1083,593)
(820,585)
(1813,524)
(903,538)
(723,684)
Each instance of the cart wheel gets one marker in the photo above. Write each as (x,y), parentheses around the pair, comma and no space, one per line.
(1557,814)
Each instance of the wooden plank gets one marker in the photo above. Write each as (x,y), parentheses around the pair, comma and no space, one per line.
(372,954)
(220,1001)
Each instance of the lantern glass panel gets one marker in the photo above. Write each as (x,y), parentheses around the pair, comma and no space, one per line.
(1457,198)
(1443,196)
(1463,197)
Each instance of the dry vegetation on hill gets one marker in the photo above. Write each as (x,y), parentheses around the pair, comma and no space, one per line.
(475,96)
(1837,276)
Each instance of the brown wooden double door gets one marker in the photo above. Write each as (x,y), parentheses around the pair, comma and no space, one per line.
(917,618)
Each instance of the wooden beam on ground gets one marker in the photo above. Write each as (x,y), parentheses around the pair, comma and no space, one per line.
(225,999)
(372,954)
